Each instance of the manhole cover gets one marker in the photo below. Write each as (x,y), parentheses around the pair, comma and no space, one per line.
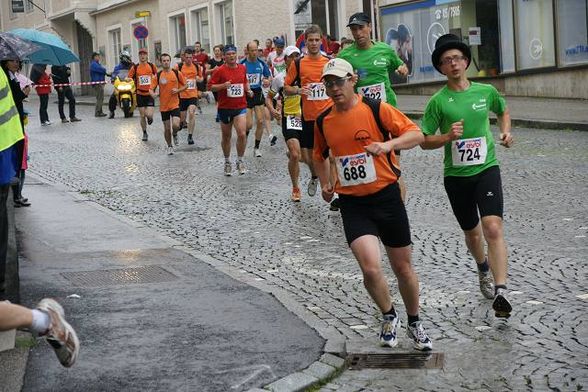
(396,361)
(146,274)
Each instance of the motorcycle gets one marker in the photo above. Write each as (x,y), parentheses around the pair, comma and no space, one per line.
(126,95)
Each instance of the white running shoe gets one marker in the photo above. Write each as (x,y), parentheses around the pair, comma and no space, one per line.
(312,186)
(257,152)
(170,150)
(60,335)
(486,284)
(228,169)
(176,141)
(241,167)
(417,333)
(388,330)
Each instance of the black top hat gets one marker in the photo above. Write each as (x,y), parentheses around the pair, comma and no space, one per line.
(446,42)
(359,18)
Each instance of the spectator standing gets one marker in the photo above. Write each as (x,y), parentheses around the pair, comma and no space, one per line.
(60,74)
(98,74)
(42,82)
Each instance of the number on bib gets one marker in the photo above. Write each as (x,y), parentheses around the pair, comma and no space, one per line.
(317,92)
(294,122)
(253,79)
(191,83)
(356,169)
(469,152)
(145,80)
(374,91)
(235,90)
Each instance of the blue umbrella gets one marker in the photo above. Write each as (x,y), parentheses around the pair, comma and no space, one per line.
(53,50)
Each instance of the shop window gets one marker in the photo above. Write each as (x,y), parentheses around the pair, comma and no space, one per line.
(200,28)
(572,32)
(226,23)
(535,35)
(114,37)
(177,26)
(507,50)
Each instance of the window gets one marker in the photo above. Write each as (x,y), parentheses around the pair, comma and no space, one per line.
(177,26)
(535,42)
(507,53)
(115,44)
(225,13)
(572,21)
(200,28)
(137,44)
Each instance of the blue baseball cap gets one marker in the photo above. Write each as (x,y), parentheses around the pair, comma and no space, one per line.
(279,42)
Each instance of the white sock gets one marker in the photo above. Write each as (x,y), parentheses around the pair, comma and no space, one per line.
(227,160)
(41,321)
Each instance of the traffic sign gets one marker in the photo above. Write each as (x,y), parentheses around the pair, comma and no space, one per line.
(140,32)
(142,14)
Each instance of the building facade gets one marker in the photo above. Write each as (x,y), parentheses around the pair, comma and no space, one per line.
(524,47)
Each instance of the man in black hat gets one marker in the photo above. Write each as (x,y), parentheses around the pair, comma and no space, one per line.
(373,62)
(472,176)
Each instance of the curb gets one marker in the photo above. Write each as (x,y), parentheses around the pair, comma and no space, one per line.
(524,123)
(330,363)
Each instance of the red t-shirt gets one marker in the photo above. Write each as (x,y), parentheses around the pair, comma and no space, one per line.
(235,96)
(201,58)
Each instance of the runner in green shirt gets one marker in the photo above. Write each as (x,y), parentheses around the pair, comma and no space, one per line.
(373,62)
(472,176)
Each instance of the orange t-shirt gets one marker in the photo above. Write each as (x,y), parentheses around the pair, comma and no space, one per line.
(144,78)
(190,72)
(166,81)
(347,133)
(311,71)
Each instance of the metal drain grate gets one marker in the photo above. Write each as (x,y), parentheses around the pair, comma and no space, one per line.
(100,278)
(396,361)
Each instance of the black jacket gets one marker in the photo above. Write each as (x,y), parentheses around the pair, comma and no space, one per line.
(60,74)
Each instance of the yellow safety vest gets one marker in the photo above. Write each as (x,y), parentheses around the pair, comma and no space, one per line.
(10,127)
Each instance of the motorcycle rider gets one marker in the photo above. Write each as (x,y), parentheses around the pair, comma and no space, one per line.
(121,70)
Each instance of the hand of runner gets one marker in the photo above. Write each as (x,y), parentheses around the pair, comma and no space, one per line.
(277,114)
(305,90)
(402,70)
(506,139)
(456,130)
(327,192)
(378,148)
(174,90)
(250,92)
(227,84)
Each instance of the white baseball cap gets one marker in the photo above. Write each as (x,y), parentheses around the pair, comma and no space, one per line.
(291,50)
(337,67)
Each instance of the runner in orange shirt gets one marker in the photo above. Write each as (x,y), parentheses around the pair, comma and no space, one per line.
(171,83)
(189,98)
(362,134)
(304,78)
(143,75)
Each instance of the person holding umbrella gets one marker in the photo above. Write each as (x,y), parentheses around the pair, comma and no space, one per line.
(60,74)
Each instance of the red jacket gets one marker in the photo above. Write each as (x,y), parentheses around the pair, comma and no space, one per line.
(44,79)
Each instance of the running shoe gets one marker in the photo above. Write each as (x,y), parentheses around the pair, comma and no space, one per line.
(335,204)
(44,123)
(190,139)
(312,186)
(417,333)
(176,141)
(486,284)
(273,140)
(170,150)
(296,194)
(60,335)
(75,119)
(145,136)
(64,120)
(228,169)
(48,122)
(501,304)
(241,167)
(257,152)
(388,330)
(149,120)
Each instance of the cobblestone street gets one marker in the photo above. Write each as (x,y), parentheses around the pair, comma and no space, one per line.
(248,222)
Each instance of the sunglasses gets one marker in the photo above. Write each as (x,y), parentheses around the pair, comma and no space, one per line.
(336,82)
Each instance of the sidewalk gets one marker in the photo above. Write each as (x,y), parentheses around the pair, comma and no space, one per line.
(150,314)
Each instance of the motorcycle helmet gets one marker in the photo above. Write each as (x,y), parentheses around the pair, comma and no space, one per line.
(125,57)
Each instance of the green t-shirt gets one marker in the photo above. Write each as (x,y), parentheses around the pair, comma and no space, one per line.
(373,67)
(474,152)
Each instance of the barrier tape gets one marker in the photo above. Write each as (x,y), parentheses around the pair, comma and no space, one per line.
(68,84)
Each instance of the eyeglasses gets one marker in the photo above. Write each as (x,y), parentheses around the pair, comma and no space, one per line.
(452,59)
(336,82)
